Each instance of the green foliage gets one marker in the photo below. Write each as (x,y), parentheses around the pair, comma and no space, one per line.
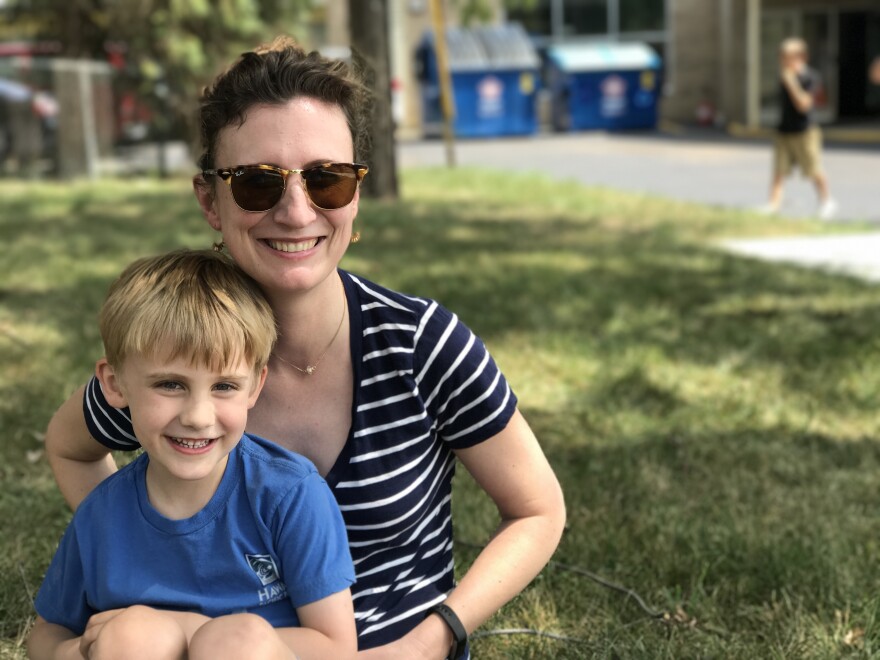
(182,43)
(712,419)
(480,11)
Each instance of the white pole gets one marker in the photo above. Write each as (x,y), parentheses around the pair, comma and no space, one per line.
(90,135)
(753,63)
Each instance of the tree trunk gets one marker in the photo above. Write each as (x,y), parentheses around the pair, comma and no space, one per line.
(370,42)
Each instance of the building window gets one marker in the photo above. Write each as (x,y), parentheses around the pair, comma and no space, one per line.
(585,17)
(642,15)
(544,18)
(536,19)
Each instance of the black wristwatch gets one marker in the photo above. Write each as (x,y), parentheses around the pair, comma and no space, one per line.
(459,634)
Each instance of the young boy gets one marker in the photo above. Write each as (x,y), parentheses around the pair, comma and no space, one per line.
(240,547)
(798,139)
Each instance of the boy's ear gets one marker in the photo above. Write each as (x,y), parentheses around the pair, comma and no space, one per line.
(110,384)
(259,381)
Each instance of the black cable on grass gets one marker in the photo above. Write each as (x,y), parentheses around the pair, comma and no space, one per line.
(608,584)
(598,579)
(525,631)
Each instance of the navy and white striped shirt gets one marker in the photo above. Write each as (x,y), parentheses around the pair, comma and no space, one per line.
(427,385)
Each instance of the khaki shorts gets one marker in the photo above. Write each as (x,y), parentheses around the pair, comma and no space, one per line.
(801,150)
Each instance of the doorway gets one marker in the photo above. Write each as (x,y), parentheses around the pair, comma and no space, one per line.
(859,35)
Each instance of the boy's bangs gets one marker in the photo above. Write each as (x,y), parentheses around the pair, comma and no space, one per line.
(214,341)
(190,305)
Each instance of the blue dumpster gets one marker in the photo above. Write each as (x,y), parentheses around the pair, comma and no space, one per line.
(603,86)
(495,75)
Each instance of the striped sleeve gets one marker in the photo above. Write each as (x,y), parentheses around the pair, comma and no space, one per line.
(108,425)
(462,388)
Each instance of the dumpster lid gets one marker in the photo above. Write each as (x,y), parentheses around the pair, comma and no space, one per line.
(465,51)
(508,46)
(603,56)
(488,48)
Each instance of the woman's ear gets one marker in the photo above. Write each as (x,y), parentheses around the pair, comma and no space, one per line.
(207,202)
(355,203)
(259,381)
(110,384)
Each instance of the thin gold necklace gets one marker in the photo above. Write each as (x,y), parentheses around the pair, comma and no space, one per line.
(311,368)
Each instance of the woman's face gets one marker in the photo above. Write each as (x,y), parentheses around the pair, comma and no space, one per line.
(294,246)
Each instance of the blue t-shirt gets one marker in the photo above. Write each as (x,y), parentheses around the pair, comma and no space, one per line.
(424,384)
(271,539)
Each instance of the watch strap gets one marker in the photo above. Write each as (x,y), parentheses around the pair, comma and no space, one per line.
(459,634)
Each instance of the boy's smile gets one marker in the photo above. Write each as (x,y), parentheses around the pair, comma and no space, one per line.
(187,418)
(196,446)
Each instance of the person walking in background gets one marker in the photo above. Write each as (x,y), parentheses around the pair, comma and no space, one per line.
(798,139)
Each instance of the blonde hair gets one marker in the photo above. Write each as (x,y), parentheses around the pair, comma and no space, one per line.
(191,304)
(793,46)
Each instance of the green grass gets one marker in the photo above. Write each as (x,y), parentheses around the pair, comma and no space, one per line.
(712,419)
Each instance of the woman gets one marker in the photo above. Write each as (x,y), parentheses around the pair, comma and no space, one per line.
(381,391)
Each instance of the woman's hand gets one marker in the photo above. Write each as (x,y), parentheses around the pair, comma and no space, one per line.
(430,640)
(405,648)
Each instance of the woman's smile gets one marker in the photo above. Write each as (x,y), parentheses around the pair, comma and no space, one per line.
(303,245)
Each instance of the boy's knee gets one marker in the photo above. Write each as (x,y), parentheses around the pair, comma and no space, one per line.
(237,636)
(139,632)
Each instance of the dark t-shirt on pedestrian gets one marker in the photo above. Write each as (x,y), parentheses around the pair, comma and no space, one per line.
(793,120)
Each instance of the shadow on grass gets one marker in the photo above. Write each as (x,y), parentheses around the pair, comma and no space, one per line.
(695,403)
(761,539)
(615,291)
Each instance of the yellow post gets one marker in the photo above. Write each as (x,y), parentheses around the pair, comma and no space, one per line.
(447,102)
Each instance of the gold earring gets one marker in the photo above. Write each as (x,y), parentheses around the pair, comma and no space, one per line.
(218,247)
(356,237)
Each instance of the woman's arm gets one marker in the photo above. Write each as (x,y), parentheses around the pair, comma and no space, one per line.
(49,641)
(512,469)
(78,461)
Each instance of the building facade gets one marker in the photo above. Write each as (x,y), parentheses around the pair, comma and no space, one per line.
(725,53)
(719,56)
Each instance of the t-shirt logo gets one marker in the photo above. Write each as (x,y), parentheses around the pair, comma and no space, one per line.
(264,567)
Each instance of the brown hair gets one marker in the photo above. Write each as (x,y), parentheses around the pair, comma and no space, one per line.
(194,304)
(274,74)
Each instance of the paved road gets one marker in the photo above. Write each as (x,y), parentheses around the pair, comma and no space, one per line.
(713,170)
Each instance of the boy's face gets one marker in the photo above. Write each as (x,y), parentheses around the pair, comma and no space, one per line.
(792,59)
(187,418)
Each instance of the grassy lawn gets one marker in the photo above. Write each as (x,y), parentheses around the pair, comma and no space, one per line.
(712,419)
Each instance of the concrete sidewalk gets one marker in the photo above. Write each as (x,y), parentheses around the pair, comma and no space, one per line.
(852,254)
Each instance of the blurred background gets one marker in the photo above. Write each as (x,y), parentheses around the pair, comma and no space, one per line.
(89,88)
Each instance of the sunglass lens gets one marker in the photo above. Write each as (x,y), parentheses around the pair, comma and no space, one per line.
(331,186)
(256,189)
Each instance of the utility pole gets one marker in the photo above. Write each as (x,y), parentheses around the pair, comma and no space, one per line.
(447,102)
(370,43)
